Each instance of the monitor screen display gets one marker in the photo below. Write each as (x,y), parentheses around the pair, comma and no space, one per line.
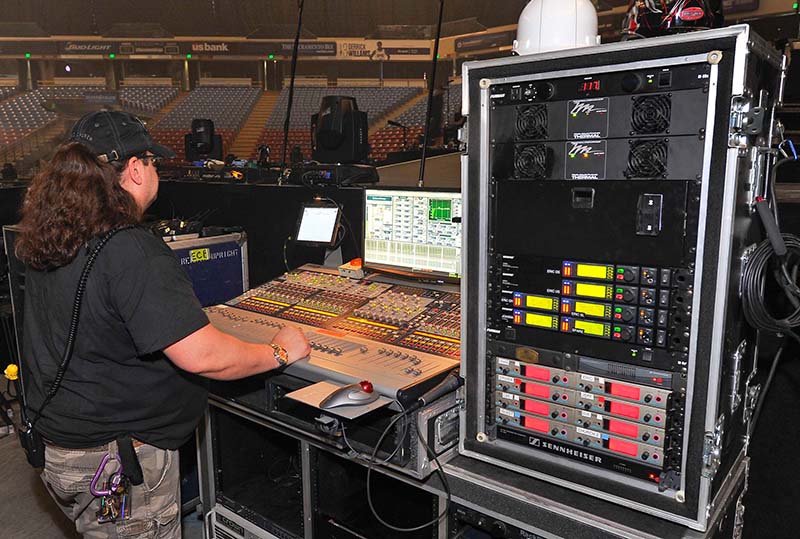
(317,224)
(413,231)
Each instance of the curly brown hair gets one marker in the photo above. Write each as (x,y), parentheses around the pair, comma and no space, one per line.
(74,198)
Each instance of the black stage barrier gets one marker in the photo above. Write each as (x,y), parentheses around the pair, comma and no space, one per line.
(267,213)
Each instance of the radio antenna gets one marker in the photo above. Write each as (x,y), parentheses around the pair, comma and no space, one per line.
(431,87)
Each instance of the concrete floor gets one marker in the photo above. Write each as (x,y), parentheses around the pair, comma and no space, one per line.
(26,509)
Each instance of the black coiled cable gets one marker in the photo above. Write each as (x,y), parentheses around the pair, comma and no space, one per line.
(784,270)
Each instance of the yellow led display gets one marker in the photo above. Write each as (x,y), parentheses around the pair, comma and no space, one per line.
(597,310)
(587,290)
(599,329)
(541,320)
(541,302)
(595,271)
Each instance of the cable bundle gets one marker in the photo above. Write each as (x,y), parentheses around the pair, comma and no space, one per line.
(754,280)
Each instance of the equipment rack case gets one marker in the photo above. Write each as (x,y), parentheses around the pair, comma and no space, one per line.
(604,182)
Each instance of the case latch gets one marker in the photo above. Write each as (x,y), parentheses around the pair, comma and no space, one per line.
(746,120)
(738,355)
(712,449)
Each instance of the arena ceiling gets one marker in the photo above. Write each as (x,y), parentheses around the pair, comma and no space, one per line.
(255,18)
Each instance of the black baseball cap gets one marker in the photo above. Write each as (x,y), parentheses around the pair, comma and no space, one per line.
(115,136)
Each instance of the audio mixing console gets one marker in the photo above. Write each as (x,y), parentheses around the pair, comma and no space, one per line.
(397,336)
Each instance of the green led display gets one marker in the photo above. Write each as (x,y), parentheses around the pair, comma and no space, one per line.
(439,210)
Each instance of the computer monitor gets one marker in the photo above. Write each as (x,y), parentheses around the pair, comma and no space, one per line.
(414,232)
(318,224)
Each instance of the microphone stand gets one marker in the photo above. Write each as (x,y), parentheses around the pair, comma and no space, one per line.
(431,87)
(295,48)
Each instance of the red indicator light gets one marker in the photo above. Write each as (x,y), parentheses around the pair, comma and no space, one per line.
(536,390)
(533,423)
(537,373)
(620,277)
(564,397)
(657,418)
(658,399)
(626,448)
(565,379)
(617,336)
(625,429)
(617,316)
(536,407)
(626,410)
(655,456)
(654,477)
(621,390)
(618,296)
(366,386)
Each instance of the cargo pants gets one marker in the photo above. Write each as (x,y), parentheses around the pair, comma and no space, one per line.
(155,504)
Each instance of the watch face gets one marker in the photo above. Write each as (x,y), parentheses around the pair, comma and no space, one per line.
(281,356)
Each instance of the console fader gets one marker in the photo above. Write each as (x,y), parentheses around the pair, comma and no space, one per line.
(397,336)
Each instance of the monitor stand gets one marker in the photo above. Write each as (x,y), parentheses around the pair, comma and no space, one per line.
(333,258)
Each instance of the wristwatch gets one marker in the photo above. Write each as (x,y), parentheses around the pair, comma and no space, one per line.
(280,354)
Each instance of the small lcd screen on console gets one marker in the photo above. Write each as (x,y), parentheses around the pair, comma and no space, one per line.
(414,231)
(318,224)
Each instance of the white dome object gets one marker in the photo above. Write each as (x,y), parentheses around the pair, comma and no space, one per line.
(550,25)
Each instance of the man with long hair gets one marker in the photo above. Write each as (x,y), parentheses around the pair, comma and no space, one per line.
(144,348)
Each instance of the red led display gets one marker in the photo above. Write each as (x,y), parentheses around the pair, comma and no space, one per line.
(536,407)
(532,423)
(626,448)
(620,390)
(625,429)
(537,373)
(626,410)
(543,392)
(589,85)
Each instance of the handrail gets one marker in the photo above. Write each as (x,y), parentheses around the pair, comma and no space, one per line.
(19,149)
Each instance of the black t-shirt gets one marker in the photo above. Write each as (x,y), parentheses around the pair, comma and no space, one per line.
(137,302)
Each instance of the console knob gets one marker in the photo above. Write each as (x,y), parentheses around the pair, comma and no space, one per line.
(499,529)
(545,91)
(631,82)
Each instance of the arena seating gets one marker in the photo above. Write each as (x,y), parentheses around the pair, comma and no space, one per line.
(23,113)
(391,139)
(7,91)
(227,107)
(376,102)
(147,98)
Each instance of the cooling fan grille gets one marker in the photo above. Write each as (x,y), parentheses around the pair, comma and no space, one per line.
(651,114)
(531,161)
(531,122)
(647,159)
